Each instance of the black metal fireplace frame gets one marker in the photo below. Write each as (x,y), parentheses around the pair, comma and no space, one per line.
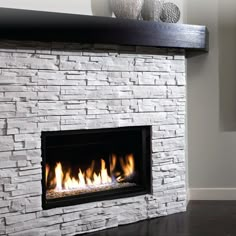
(103,195)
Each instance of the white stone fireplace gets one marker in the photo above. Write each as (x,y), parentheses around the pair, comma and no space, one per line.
(63,86)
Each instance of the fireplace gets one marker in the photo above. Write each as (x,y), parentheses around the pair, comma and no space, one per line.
(92,165)
(117,103)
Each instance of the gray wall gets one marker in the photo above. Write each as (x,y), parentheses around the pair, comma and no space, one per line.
(99,7)
(68,6)
(227,68)
(212,99)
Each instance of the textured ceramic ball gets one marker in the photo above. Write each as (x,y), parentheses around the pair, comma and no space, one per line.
(128,9)
(170,13)
(152,9)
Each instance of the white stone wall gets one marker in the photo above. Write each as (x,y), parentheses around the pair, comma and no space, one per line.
(57,86)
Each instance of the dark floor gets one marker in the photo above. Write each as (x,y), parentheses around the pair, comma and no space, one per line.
(203,218)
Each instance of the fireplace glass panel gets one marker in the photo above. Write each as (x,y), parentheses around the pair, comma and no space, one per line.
(93,165)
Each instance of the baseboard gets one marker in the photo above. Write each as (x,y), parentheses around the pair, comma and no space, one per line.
(212,193)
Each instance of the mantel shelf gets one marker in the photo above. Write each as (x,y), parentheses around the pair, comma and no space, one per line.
(47,26)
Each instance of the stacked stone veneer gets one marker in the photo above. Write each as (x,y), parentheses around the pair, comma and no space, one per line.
(52,86)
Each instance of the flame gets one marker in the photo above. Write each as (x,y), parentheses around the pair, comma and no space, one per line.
(70,183)
(59,176)
(46,173)
(112,162)
(90,170)
(104,175)
(82,183)
(64,180)
(127,165)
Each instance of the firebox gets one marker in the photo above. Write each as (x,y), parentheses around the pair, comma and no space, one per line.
(92,165)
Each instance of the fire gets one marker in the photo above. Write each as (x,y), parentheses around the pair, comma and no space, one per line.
(59,176)
(112,162)
(46,173)
(128,165)
(89,178)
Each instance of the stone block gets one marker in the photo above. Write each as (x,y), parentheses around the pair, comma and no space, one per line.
(19,218)
(71,217)
(7,80)
(2,228)
(161,66)
(29,186)
(48,96)
(171,180)
(180,79)
(54,233)
(24,125)
(176,92)
(50,126)
(169,167)
(6,143)
(7,107)
(79,208)
(17,205)
(79,59)
(33,204)
(19,146)
(48,213)
(111,222)
(7,164)
(4,203)
(173,144)
(18,157)
(147,92)
(51,105)
(32,232)
(68,230)
(30,172)
(5,173)
(178,66)
(28,63)
(49,75)
(5,156)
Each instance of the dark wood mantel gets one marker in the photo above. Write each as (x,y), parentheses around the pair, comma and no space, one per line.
(47,26)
